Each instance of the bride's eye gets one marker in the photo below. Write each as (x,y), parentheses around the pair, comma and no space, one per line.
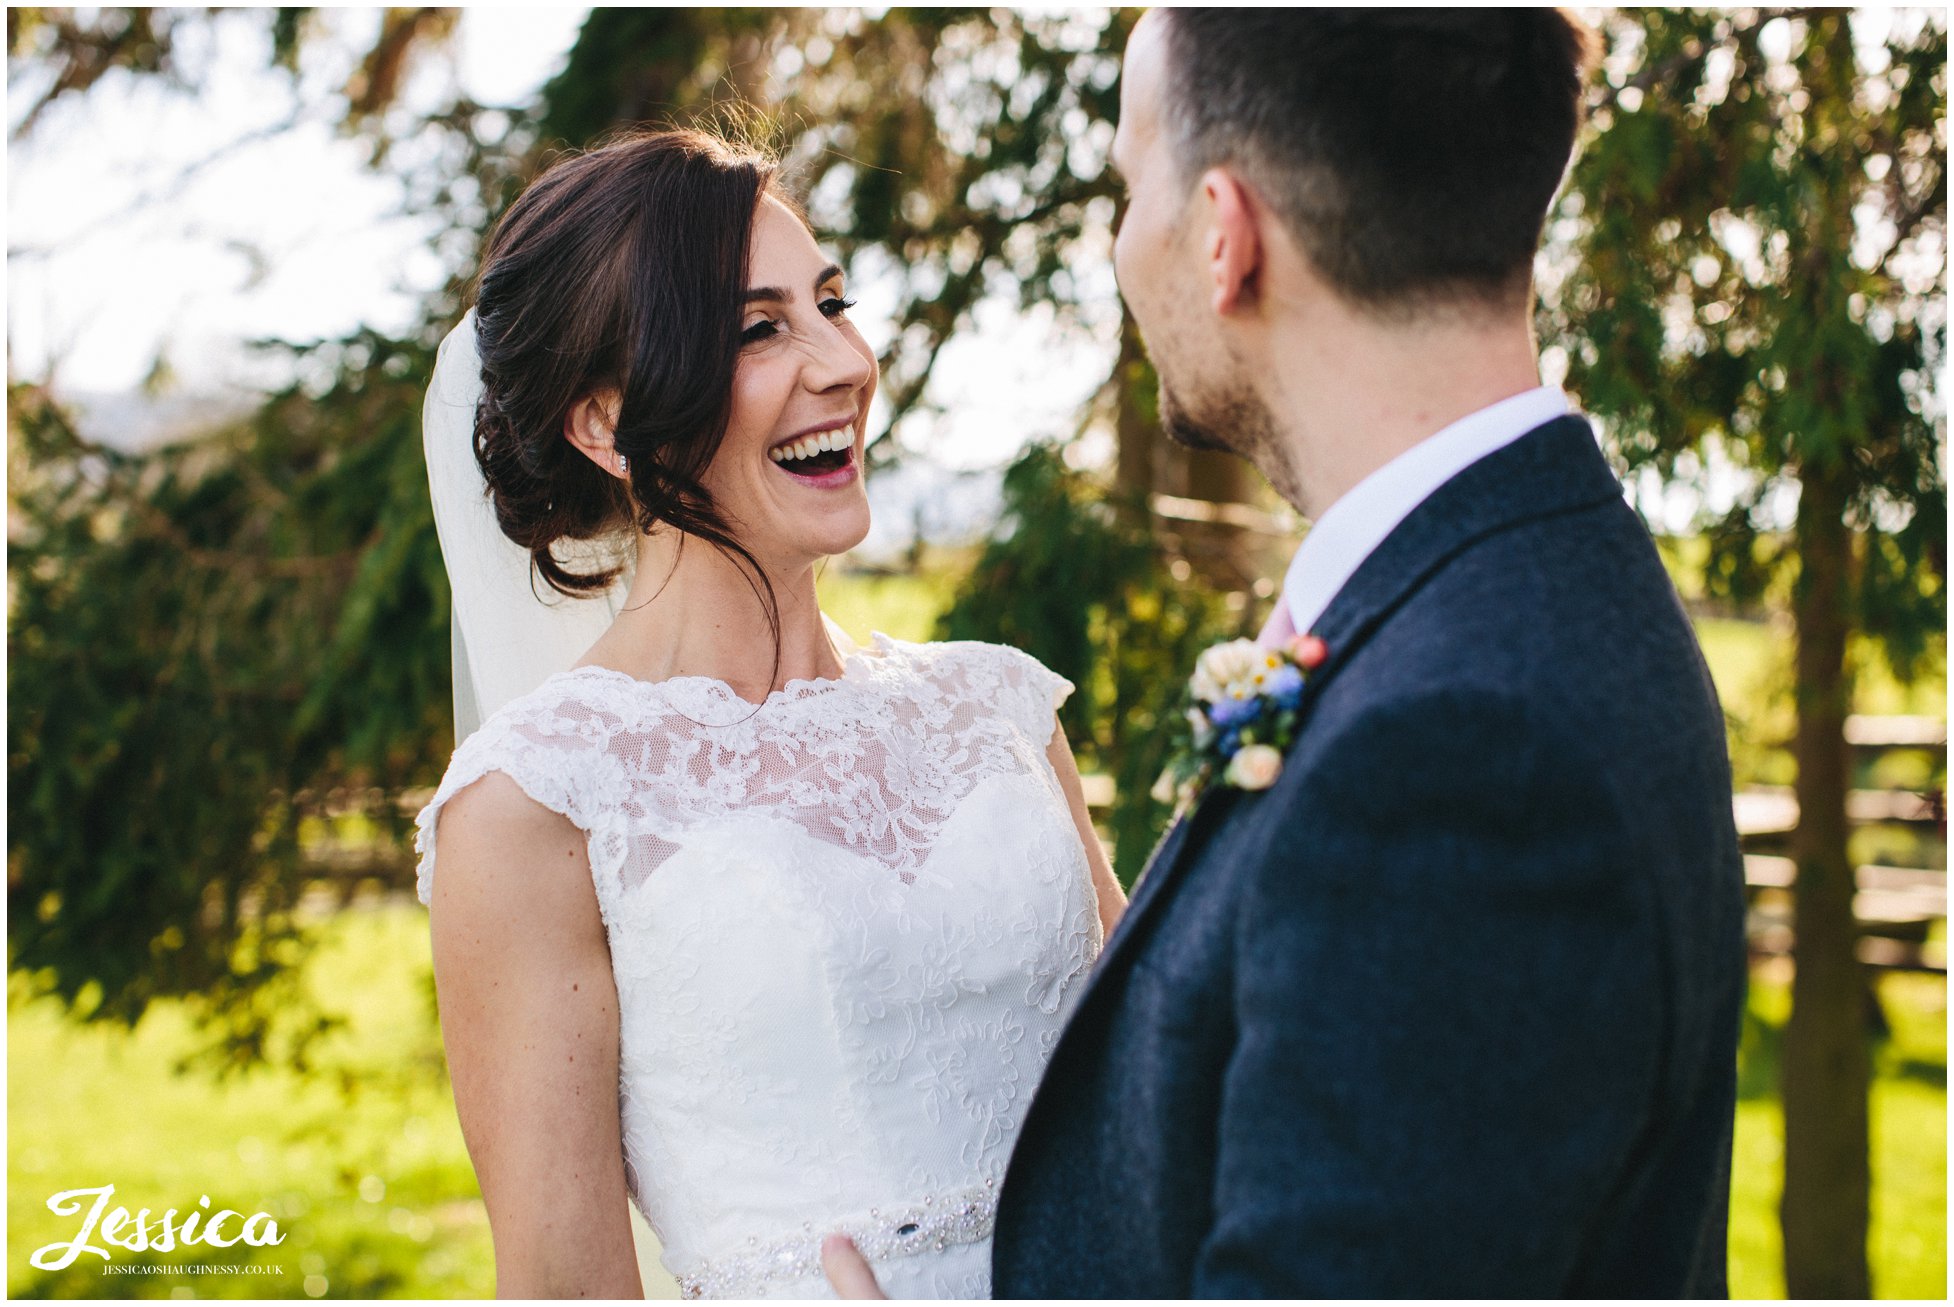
(759,331)
(835,306)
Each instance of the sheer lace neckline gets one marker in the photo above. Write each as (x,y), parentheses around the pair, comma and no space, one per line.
(856,663)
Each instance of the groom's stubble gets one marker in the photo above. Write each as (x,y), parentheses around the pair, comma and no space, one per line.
(1217,408)
(1225,416)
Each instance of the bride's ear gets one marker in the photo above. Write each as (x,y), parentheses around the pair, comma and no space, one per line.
(1233,248)
(590,424)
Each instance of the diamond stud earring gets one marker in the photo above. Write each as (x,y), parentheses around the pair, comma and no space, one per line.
(623,464)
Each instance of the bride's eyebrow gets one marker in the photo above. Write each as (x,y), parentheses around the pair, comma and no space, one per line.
(775,293)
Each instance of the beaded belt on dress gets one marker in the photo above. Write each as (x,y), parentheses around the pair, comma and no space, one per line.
(939,1220)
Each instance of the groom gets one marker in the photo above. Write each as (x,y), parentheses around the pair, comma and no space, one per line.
(1452,1009)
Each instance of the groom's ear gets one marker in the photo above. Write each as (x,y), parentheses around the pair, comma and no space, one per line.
(1233,248)
(589,425)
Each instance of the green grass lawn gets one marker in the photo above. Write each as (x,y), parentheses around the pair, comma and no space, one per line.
(903,606)
(362,1162)
(1909,1156)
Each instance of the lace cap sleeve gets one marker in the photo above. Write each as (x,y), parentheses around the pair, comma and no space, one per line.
(549,744)
(1034,692)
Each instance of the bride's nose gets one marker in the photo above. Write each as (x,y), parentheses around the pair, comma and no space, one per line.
(836,362)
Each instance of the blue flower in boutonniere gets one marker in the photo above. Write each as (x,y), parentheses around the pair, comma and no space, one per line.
(1241,719)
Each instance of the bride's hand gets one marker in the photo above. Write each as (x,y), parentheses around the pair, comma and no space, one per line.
(848,1271)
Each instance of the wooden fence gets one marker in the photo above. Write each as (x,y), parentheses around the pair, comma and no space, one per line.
(1897,906)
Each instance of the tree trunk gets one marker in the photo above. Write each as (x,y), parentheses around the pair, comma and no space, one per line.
(1137,433)
(1827,1178)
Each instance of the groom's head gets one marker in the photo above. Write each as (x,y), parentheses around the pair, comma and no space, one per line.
(1404,161)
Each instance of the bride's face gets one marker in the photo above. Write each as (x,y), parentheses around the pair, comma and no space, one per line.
(789,472)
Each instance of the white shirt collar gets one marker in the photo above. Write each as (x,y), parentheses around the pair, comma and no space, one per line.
(1344,536)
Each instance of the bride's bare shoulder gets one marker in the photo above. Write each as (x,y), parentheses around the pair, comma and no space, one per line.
(506,858)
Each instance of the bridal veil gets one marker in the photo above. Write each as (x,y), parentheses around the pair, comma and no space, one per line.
(510,632)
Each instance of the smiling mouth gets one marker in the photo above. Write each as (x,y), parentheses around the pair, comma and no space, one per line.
(817,456)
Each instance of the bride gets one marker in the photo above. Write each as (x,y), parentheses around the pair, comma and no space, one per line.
(765,932)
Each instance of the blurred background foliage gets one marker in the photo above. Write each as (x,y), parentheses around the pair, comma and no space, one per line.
(228,657)
(1076,576)
(1756,273)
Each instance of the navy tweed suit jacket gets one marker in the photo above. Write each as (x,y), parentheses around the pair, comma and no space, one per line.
(1451,1010)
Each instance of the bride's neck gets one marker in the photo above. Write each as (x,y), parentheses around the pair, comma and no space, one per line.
(692,610)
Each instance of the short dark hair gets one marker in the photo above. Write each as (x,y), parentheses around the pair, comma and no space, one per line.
(1412,152)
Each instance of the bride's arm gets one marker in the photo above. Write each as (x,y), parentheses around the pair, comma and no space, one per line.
(530,1020)
(1112,899)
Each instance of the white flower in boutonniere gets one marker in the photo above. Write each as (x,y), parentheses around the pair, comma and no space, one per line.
(1232,672)
(1254,767)
(1242,718)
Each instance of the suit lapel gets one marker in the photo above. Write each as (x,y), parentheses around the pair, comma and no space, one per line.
(1167,857)
(1170,856)
(1554,468)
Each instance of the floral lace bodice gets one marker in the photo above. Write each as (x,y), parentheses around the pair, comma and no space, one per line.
(846,928)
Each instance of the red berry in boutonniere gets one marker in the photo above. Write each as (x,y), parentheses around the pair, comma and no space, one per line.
(1309,651)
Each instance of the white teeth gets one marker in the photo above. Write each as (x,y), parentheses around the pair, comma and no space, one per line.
(825,442)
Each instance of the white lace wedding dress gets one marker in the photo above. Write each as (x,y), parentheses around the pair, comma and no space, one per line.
(846,929)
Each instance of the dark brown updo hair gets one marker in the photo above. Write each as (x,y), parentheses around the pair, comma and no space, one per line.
(622,265)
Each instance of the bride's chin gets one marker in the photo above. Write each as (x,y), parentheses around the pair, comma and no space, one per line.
(843,544)
(835,536)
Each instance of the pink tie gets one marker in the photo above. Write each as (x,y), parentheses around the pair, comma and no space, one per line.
(1279,629)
